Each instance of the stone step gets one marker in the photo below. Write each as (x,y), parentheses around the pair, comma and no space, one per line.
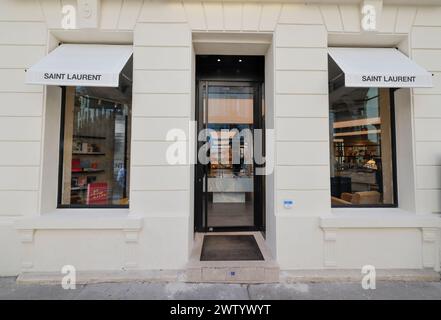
(266,271)
(233,275)
(355,275)
(103,276)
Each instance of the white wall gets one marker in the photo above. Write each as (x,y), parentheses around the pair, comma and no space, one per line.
(160,193)
(270,211)
(22,43)
(405,150)
(426,50)
(162,101)
(302,136)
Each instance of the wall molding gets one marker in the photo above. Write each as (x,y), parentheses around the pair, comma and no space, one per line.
(431,248)
(330,247)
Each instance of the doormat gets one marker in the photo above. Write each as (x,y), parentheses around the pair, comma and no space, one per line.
(230,248)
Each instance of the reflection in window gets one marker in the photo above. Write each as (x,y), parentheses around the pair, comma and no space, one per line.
(95,148)
(230,118)
(362,172)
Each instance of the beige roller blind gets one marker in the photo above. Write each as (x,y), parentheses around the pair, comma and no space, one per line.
(230,110)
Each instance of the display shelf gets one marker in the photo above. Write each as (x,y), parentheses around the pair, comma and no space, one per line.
(359,145)
(78,188)
(88,153)
(88,137)
(355,154)
(359,156)
(88,171)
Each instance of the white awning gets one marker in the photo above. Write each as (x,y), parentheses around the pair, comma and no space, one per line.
(379,67)
(81,65)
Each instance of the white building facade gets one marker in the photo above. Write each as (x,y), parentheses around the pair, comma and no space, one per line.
(155,227)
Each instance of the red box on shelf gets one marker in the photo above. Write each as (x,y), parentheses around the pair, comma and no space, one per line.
(76,167)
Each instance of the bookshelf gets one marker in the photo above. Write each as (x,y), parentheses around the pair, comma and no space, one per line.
(355,155)
(88,171)
(95,149)
(76,136)
(89,153)
(88,165)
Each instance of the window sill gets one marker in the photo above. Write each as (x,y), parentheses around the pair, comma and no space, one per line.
(80,219)
(378,218)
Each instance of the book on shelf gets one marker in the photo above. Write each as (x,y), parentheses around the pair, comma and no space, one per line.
(85,164)
(82,181)
(76,165)
(79,146)
(97,193)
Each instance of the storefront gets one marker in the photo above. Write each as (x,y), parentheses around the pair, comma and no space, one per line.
(134,130)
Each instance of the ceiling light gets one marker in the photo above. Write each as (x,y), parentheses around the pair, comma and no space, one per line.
(240,60)
(218,60)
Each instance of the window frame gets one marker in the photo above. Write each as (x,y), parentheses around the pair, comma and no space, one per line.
(60,205)
(394,161)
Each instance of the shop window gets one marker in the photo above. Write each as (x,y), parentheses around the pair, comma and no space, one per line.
(95,146)
(362,146)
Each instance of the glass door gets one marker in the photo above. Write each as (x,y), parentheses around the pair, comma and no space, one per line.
(225,176)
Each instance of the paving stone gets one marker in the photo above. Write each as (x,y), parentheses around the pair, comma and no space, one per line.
(340,291)
(10,289)
(206,291)
(111,291)
(37,292)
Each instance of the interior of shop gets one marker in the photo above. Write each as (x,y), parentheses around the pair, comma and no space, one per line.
(230,181)
(362,143)
(95,144)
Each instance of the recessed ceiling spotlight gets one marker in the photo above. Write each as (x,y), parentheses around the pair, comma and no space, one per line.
(240,60)
(218,60)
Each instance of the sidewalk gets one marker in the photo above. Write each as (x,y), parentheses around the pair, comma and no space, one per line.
(9,289)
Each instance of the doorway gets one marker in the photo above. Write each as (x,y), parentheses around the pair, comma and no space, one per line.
(229,195)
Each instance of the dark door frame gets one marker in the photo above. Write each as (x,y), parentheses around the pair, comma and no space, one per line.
(200,197)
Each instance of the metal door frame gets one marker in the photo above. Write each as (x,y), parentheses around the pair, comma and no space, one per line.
(200,197)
